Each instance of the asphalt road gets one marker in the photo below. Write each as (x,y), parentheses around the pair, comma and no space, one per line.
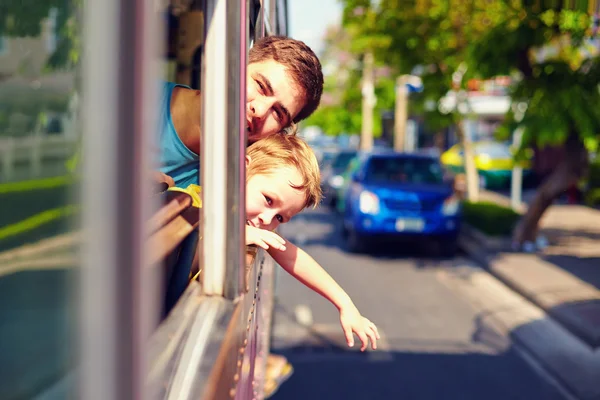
(435,344)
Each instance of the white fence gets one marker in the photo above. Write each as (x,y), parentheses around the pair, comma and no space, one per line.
(36,156)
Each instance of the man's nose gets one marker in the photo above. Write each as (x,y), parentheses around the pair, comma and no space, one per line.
(260,107)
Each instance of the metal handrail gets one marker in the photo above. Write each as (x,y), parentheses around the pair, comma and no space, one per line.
(223,148)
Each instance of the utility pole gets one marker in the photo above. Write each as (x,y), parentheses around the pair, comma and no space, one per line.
(516,185)
(368,102)
(465,127)
(400,113)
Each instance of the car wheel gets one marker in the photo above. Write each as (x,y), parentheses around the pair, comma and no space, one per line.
(344,230)
(333,203)
(448,248)
(482,182)
(354,242)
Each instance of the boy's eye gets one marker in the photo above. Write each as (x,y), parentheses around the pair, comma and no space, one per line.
(268,199)
(260,85)
(279,218)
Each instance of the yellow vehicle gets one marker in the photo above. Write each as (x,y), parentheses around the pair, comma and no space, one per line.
(493,160)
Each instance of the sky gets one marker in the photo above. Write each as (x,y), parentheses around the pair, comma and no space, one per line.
(309,19)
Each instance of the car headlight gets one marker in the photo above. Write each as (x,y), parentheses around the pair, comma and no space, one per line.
(336,181)
(368,203)
(451,206)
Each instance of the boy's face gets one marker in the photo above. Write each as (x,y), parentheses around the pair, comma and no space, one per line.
(273,99)
(271,199)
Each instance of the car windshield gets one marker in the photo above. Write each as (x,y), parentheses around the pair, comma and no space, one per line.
(404,170)
(342,160)
(326,159)
(494,150)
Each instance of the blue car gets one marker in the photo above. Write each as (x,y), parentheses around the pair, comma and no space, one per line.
(332,175)
(400,196)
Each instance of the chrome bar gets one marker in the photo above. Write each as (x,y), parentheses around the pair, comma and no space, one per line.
(182,387)
(119,102)
(223,148)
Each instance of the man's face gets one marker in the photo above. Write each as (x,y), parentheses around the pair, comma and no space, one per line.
(271,200)
(273,99)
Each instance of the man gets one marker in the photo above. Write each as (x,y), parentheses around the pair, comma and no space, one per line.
(284,85)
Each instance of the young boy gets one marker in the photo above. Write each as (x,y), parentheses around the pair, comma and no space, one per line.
(282,179)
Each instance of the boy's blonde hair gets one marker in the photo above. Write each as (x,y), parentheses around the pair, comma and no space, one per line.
(281,150)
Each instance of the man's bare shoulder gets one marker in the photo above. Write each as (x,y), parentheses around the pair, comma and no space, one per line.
(182,96)
(186,107)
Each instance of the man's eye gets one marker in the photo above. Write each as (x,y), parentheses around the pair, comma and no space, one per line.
(279,218)
(278,115)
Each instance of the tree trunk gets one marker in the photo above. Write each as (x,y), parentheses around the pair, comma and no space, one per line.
(567,173)
(471,175)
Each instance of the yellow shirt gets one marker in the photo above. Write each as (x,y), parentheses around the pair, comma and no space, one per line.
(194,192)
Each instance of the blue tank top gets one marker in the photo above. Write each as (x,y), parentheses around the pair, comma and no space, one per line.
(175,159)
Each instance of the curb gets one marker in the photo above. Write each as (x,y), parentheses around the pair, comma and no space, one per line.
(568,305)
(571,359)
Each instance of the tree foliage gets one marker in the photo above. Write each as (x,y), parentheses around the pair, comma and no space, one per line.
(341,107)
(25,18)
(430,38)
(550,51)
(547,49)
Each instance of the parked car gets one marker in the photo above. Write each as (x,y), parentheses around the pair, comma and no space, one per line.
(493,160)
(325,158)
(394,196)
(355,162)
(332,175)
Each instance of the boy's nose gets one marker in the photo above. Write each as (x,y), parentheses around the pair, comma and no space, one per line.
(266,219)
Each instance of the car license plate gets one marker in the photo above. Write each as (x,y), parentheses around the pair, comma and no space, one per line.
(410,224)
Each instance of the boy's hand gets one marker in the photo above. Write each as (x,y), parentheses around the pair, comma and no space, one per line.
(352,321)
(263,238)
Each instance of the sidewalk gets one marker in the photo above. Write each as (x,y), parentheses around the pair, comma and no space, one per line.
(564,278)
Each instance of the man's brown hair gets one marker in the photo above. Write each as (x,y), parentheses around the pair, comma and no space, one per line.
(281,150)
(301,62)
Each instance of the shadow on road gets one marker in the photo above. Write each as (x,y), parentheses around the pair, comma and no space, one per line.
(424,370)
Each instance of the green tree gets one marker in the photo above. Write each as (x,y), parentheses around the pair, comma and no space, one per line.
(434,35)
(546,48)
(24,18)
(340,110)
(551,52)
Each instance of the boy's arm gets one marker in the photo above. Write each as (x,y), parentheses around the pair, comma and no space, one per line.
(305,269)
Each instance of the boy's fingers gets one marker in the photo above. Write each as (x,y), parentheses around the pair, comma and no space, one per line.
(275,243)
(364,341)
(373,336)
(278,238)
(374,327)
(349,336)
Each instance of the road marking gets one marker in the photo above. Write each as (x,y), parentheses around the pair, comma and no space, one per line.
(303,315)
(301,239)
